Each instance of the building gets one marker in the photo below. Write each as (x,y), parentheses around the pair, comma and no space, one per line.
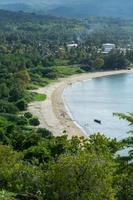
(73,45)
(108,47)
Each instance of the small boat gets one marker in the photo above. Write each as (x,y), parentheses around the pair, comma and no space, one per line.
(97,121)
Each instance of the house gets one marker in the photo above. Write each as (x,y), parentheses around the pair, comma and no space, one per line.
(73,45)
(108,47)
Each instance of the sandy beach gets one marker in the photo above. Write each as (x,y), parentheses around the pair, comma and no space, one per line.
(52,112)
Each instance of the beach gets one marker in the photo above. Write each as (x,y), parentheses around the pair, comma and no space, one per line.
(52,112)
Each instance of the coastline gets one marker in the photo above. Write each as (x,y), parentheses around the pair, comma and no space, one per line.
(53,112)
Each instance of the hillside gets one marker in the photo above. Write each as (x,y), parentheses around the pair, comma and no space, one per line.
(106,8)
(74,8)
(34,164)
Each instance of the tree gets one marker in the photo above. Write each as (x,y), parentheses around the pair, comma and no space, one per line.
(115,60)
(4,90)
(44,133)
(17,176)
(7,107)
(15,93)
(5,195)
(128,141)
(34,121)
(40,153)
(22,78)
(21,105)
(100,143)
(82,176)
(28,115)
(98,63)
(125,170)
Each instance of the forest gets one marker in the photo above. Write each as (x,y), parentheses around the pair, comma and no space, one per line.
(35,165)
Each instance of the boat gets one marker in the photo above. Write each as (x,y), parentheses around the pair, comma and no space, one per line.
(97,121)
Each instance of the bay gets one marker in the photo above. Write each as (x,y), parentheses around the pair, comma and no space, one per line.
(98,99)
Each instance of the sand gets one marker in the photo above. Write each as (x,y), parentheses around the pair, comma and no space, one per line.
(52,112)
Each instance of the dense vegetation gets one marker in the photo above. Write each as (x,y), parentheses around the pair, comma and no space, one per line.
(83,8)
(73,8)
(33,163)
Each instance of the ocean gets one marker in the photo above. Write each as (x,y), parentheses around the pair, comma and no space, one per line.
(98,99)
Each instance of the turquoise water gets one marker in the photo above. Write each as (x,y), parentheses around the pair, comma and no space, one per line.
(98,99)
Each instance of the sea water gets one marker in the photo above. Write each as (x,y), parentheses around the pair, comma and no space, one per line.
(98,99)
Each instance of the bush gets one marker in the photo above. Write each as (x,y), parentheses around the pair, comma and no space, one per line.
(5,195)
(28,115)
(39,97)
(79,71)
(44,133)
(51,75)
(22,121)
(34,121)
(17,175)
(6,107)
(21,105)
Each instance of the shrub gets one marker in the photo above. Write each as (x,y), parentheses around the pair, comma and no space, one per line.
(21,105)
(44,133)
(6,107)
(5,195)
(28,115)
(34,121)
(22,121)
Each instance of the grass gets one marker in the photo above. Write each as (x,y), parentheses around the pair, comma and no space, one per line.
(4,195)
(61,62)
(59,71)
(39,97)
(64,71)
(34,96)
(40,82)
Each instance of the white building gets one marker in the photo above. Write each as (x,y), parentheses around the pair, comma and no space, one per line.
(73,45)
(108,47)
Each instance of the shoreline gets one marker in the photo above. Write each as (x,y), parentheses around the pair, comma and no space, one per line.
(53,112)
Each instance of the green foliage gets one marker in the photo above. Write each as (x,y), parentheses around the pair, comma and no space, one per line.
(126,184)
(44,133)
(5,195)
(21,105)
(128,117)
(72,169)
(28,115)
(16,175)
(39,97)
(33,163)
(116,60)
(7,107)
(4,91)
(21,121)
(84,176)
(39,153)
(128,141)
(126,163)
(34,121)
(98,63)
(63,71)
(100,143)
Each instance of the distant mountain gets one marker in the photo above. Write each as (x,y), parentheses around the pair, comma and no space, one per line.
(107,8)
(73,8)
(29,4)
(16,7)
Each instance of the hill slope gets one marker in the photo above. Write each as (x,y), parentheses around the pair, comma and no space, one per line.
(113,8)
(73,8)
